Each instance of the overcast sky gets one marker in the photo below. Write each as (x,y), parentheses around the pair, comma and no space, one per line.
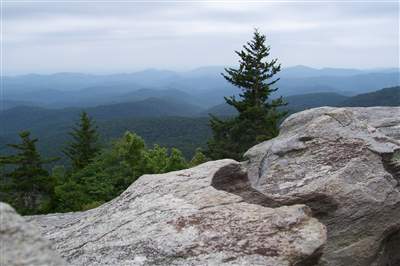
(101,37)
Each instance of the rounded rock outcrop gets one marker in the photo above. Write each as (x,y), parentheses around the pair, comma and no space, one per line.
(21,243)
(186,218)
(339,162)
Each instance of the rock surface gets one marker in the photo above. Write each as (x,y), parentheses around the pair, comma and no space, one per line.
(335,164)
(337,161)
(21,243)
(188,217)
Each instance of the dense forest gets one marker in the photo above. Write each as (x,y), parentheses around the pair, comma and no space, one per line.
(183,129)
(95,174)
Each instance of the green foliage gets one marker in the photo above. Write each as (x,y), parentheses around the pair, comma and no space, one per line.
(156,159)
(70,196)
(32,190)
(59,173)
(198,158)
(176,161)
(28,186)
(113,170)
(85,143)
(184,133)
(258,117)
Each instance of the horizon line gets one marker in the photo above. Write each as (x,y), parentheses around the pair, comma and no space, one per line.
(183,70)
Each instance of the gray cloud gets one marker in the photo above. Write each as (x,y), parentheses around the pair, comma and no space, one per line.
(111,37)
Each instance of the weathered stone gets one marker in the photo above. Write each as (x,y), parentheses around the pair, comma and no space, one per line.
(198,216)
(337,161)
(21,243)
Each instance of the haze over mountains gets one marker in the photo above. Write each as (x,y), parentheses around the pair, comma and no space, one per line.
(204,86)
(166,107)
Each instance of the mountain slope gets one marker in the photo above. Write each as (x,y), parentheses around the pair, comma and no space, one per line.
(151,107)
(295,103)
(346,85)
(184,133)
(384,97)
(25,117)
(156,120)
(312,100)
(204,86)
(163,121)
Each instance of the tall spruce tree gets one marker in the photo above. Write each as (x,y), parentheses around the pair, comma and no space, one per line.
(30,188)
(84,146)
(258,117)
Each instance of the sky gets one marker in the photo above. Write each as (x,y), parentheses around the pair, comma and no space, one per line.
(126,36)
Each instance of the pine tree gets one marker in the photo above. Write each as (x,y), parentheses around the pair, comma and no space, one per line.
(258,117)
(31,188)
(85,143)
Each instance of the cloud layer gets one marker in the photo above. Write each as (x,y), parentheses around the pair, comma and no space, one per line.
(95,36)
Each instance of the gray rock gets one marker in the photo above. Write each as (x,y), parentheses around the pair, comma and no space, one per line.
(333,163)
(337,161)
(21,243)
(201,216)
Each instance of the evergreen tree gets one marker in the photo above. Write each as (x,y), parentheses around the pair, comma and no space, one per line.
(59,174)
(85,143)
(70,196)
(258,117)
(30,186)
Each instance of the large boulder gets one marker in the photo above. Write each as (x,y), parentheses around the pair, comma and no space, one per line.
(207,215)
(339,162)
(21,243)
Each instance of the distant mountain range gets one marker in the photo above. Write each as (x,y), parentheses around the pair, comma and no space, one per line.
(143,106)
(167,107)
(204,86)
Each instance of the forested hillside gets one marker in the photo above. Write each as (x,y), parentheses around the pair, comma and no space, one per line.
(184,133)
(296,103)
(166,122)
(384,97)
